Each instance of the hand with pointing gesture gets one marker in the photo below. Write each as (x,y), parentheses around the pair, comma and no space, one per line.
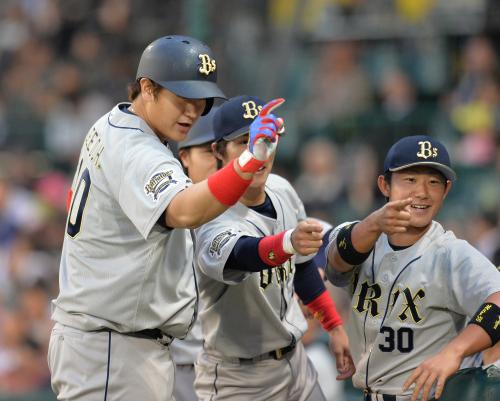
(263,140)
(394,217)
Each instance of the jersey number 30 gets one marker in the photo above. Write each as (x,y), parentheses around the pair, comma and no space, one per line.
(78,204)
(401,339)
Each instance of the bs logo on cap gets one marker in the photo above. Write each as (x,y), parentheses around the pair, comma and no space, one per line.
(419,150)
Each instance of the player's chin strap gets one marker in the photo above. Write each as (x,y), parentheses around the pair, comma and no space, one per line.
(488,317)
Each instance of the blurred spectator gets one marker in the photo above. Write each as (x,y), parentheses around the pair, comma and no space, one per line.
(74,111)
(21,369)
(14,30)
(398,113)
(320,183)
(478,120)
(339,91)
(484,233)
(362,193)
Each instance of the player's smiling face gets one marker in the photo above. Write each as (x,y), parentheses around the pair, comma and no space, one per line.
(170,116)
(426,186)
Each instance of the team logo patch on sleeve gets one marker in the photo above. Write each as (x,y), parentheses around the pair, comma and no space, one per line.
(220,241)
(158,183)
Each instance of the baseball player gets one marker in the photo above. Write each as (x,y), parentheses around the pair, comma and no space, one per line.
(126,281)
(414,285)
(251,260)
(195,153)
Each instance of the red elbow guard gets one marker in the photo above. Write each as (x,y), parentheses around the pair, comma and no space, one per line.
(323,308)
(271,250)
(227,186)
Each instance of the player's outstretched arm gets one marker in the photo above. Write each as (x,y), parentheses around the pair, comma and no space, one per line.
(355,242)
(442,365)
(339,344)
(206,200)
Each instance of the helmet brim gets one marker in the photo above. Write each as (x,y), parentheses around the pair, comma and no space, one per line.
(194,89)
(443,169)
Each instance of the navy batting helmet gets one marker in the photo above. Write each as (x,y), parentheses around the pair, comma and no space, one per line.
(184,66)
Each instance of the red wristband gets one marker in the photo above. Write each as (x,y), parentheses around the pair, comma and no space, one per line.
(227,186)
(271,250)
(323,308)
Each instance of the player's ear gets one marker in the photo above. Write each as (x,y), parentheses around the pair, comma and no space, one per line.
(184,157)
(383,186)
(216,152)
(448,184)
(147,89)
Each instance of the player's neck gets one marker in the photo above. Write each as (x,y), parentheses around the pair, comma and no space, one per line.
(253,197)
(410,237)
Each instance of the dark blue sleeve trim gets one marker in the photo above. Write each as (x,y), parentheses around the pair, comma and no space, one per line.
(307,281)
(320,258)
(245,256)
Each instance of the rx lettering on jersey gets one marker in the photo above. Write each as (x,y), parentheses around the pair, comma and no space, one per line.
(207,64)
(369,296)
(426,150)
(368,299)
(410,308)
(219,242)
(250,109)
(158,183)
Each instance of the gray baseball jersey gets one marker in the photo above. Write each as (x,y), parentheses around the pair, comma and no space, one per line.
(119,269)
(408,304)
(246,314)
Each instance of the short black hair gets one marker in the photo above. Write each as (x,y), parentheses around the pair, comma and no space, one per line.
(134,89)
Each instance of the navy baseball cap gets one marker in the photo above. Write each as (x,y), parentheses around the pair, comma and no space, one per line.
(202,132)
(234,117)
(419,150)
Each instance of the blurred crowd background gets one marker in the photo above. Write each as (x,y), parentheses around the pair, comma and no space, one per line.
(356,74)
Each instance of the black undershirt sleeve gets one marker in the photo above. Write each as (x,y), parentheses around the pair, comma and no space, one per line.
(308,282)
(245,256)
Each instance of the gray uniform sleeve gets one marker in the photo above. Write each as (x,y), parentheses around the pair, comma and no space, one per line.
(473,278)
(338,279)
(214,243)
(149,179)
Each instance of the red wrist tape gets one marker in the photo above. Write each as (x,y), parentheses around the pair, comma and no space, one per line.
(271,250)
(227,186)
(251,166)
(323,308)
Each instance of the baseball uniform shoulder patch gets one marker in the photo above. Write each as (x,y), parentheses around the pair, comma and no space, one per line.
(158,183)
(220,241)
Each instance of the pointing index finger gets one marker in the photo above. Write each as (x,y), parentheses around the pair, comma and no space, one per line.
(401,204)
(269,107)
